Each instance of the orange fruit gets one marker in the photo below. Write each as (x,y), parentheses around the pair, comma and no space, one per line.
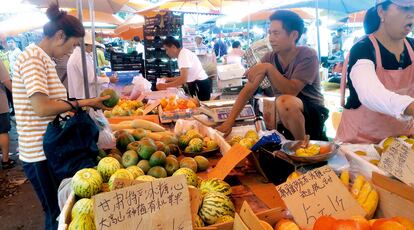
(324,223)
(404,221)
(387,224)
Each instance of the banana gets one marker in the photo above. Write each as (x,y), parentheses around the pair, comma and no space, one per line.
(358,183)
(370,205)
(345,178)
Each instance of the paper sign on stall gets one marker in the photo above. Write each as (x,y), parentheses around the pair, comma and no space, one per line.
(249,218)
(151,106)
(316,193)
(160,204)
(236,154)
(398,160)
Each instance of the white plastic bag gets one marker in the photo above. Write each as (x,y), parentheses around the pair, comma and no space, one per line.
(141,85)
(106,138)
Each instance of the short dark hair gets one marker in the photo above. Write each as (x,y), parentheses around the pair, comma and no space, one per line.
(236,44)
(60,20)
(137,39)
(291,21)
(171,41)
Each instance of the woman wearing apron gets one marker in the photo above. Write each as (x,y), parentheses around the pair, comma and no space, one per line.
(381,77)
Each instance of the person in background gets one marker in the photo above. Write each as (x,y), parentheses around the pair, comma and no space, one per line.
(381,77)
(338,39)
(220,48)
(13,53)
(102,62)
(191,71)
(200,48)
(5,83)
(294,75)
(324,38)
(4,58)
(39,93)
(235,55)
(139,47)
(75,72)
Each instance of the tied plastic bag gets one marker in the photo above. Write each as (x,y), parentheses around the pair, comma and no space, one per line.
(106,139)
(141,85)
(273,139)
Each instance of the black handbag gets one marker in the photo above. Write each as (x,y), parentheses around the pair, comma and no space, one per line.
(70,143)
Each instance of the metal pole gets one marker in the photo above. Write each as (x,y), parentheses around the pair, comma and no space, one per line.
(248,26)
(83,57)
(317,29)
(96,71)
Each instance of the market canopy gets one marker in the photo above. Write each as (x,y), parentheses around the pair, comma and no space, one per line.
(264,15)
(21,23)
(133,26)
(107,6)
(345,6)
(99,17)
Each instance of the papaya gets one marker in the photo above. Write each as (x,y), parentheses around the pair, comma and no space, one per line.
(146,149)
(157,159)
(129,158)
(123,141)
(171,165)
(113,100)
(188,162)
(157,172)
(144,165)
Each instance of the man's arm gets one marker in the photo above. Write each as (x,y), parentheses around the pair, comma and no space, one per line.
(5,77)
(282,84)
(179,81)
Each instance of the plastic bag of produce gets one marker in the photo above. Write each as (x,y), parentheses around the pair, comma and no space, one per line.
(106,138)
(140,85)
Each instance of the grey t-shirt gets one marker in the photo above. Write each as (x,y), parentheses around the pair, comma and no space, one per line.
(304,67)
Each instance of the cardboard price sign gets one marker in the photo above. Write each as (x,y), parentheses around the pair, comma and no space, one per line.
(160,204)
(398,160)
(318,192)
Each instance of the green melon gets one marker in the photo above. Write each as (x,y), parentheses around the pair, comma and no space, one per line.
(86,183)
(146,149)
(196,145)
(129,158)
(116,156)
(202,163)
(188,162)
(157,172)
(119,174)
(113,100)
(183,141)
(135,170)
(189,174)
(123,141)
(108,166)
(214,206)
(171,165)
(157,159)
(144,165)
(215,185)
(83,206)
(146,178)
(82,222)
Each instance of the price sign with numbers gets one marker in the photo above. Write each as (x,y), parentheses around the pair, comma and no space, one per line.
(398,160)
(317,193)
(161,204)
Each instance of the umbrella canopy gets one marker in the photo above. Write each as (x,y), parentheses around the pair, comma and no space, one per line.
(130,34)
(134,22)
(345,6)
(264,15)
(107,6)
(99,17)
(21,23)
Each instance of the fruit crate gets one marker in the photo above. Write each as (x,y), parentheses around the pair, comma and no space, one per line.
(118,119)
(65,214)
(171,116)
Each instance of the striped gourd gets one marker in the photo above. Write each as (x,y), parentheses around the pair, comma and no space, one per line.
(214,206)
(215,185)
(119,174)
(224,219)
(136,171)
(108,166)
(86,183)
(82,222)
(189,174)
(198,222)
(83,206)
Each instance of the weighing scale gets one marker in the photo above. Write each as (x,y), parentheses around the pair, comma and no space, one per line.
(219,110)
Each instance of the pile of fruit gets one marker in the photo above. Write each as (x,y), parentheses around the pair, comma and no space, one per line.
(248,141)
(174,103)
(193,142)
(312,150)
(360,223)
(126,108)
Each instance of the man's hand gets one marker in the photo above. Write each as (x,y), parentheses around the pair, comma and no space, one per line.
(225,128)
(161,86)
(113,80)
(258,70)
(96,102)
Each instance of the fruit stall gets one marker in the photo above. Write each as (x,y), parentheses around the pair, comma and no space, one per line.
(186,175)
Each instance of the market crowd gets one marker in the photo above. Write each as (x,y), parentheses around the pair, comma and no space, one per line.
(379,74)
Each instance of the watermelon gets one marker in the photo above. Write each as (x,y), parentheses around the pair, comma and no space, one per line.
(86,182)
(108,166)
(119,174)
(189,174)
(215,185)
(113,100)
(82,222)
(123,140)
(83,206)
(129,158)
(214,206)
(136,171)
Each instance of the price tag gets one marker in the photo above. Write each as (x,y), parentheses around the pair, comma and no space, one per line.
(317,193)
(160,204)
(398,160)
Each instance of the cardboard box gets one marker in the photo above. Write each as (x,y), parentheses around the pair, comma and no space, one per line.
(65,214)
(270,113)
(230,75)
(395,197)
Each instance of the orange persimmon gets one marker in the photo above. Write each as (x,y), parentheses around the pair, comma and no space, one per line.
(324,223)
